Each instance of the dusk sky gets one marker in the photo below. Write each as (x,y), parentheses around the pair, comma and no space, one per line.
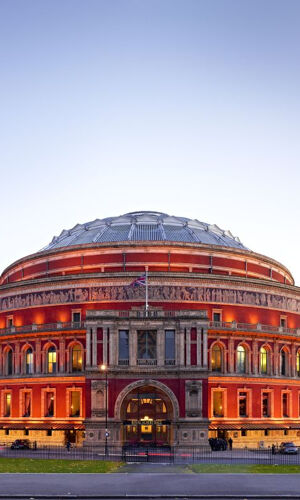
(187,107)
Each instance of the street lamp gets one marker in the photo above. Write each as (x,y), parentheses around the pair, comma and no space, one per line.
(104,369)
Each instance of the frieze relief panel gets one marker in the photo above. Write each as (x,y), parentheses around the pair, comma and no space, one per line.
(201,294)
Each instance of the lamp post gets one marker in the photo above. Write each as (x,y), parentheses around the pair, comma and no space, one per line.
(104,369)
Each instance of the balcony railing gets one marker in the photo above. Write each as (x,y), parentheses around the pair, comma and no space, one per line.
(147,362)
(253,327)
(48,327)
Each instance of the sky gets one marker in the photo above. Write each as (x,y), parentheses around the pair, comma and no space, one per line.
(188,107)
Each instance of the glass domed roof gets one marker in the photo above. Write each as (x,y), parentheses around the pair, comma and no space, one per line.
(145,226)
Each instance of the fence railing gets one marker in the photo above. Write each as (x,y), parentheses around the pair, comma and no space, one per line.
(157,454)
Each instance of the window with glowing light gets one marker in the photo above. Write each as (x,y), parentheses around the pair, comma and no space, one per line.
(298,363)
(216,358)
(74,404)
(263,354)
(218,404)
(29,366)
(7,404)
(243,404)
(241,359)
(26,404)
(76,358)
(51,360)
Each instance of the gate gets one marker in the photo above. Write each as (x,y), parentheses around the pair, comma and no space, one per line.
(163,454)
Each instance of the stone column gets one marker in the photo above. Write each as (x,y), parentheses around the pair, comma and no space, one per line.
(231,355)
(17,358)
(276,358)
(132,348)
(88,347)
(205,348)
(188,347)
(38,355)
(113,347)
(255,357)
(94,347)
(199,347)
(160,346)
(62,348)
(292,363)
(181,347)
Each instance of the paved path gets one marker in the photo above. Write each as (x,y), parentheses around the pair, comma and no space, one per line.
(156,484)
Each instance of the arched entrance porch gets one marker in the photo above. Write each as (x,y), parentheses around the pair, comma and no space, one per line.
(147,413)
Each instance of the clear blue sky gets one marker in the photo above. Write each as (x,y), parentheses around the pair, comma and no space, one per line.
(188,107)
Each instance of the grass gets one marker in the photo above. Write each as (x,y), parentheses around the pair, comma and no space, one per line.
(34,465)
(244,468)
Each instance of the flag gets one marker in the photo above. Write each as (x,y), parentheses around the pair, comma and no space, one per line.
(141,281)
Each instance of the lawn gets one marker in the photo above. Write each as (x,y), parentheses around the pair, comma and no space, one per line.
(35,465)
(243,468)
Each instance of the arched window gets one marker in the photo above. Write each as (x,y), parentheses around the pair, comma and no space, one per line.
(283,362)
(51,360)
(216,358)
(241,359)
(29,361)
(264,360)
(76,359)
(298,363)
(9,362)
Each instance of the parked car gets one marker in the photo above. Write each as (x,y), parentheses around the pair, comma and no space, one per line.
(20,444)
(288,449)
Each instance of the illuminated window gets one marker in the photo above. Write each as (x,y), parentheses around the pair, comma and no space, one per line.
(216,358)
(74,404)
(218,404)
(51,360)
(241,359)
(298,363)
(76,358)
(7,404)
(26,404)
(49,404)
(29,367)
(266,409)
(243,404)
(263,360)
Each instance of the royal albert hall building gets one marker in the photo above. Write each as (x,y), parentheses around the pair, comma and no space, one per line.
(216,354)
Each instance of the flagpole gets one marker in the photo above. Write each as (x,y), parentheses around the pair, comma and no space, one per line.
(146,293)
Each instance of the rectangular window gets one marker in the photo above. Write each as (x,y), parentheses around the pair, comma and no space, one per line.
(244,433)
(283,322)
(266,404)
(74,404)
(76,316)
(285,405)
(217,316)
(123,346)
(169,346)
(9,321)
(243,404)
(7,404)
(26,404)
(218,406)
(146,345)
(49,404)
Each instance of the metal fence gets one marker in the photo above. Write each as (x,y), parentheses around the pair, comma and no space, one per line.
(163,454)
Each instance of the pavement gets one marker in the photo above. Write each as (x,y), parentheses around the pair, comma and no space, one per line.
(141,484)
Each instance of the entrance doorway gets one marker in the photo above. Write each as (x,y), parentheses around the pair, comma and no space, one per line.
(147,415)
